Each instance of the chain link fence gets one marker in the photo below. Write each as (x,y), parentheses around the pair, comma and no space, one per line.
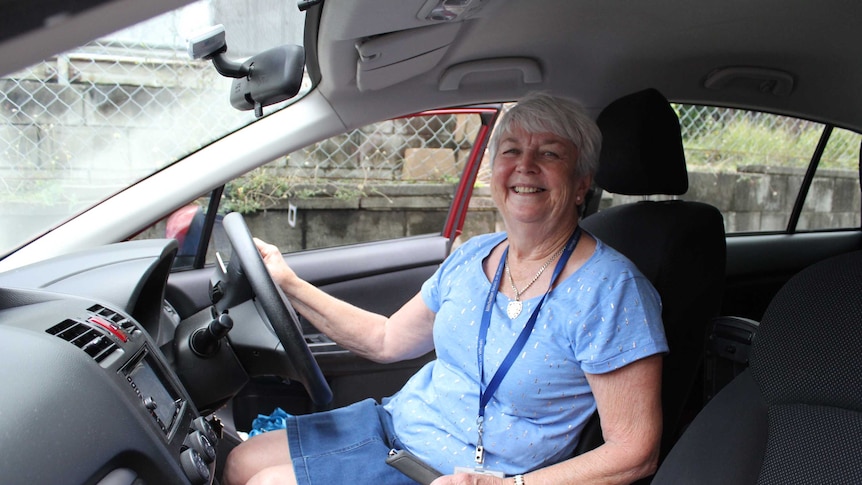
(416,150)
(412,149)
(724,139)
(85,123)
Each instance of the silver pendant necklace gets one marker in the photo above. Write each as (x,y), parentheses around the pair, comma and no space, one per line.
(513,309)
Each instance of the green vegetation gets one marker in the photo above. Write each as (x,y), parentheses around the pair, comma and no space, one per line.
(721,139)
(266,187)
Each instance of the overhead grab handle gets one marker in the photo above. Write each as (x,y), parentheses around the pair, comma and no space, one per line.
(529,70)
(766,80)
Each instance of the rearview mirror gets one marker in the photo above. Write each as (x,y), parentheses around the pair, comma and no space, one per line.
(262,80)
(273,76)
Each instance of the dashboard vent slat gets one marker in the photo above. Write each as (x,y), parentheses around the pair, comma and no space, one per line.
(112,316)
(94,342)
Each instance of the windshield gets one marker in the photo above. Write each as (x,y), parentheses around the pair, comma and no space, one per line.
(81,126)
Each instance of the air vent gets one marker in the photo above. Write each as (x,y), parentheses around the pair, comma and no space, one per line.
(119,320)
(92,341)
(114,322)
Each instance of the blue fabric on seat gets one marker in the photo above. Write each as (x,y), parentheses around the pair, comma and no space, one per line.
(263,423)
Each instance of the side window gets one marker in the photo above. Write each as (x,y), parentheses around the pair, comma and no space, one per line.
(187,225)
(752,165)
(833,200)
(387,180)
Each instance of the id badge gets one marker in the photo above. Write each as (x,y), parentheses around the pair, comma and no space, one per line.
(479,471)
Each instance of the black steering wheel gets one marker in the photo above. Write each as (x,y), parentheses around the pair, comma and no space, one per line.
(278,310)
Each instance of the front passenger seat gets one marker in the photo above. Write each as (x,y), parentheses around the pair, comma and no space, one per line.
(795,415)
(678,245)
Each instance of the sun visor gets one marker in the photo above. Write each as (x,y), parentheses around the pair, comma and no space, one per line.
(389,59)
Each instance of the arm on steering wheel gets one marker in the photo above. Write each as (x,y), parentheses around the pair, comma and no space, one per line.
(404,335)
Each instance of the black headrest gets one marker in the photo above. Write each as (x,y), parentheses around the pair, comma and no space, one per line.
(641,147)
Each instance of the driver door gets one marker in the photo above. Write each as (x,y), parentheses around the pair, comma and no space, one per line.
(366,216)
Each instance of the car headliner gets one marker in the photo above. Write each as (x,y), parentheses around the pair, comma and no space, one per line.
(591,50)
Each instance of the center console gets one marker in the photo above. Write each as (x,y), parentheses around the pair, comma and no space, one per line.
(91,382)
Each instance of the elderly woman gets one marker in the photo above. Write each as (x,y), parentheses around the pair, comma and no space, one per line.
(534,329)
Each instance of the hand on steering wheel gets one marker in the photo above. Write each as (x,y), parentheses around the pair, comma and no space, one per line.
(280,313)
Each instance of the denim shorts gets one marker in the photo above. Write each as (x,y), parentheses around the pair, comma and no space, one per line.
(345,445)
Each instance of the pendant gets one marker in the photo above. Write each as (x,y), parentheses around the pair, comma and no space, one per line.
(513,309)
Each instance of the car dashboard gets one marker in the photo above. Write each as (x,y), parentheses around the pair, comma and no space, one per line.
(87,395)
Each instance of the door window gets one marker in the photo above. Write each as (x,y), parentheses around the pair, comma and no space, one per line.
(388,180)
(752,166)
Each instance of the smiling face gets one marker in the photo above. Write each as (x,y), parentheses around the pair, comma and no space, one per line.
(534,182)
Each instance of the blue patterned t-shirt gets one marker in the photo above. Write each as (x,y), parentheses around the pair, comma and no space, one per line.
(600,318)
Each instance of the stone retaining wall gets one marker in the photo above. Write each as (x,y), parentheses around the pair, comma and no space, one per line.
(760,198)
(755,199)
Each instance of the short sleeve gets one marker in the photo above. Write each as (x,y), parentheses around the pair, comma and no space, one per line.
(452,275)
(431,291)
(624,326)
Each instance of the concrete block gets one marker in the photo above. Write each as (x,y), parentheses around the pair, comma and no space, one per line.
(755,192)
(773,221)
(845,197)
(116,104)
(479,203)
(94,156)
(427,131)
(711,188)
(466,127)
(34,102)
(848,220)
(412,190)
(428,164)
(478,222)
(424,222)
(272,227)
(461,158)
(333,228)
(380,150)
(323,203)
(744,221)
(809,221)
(422,203)
(23,148)
(820,195)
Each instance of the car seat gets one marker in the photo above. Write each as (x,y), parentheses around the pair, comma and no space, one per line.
(795,415)
(678,245)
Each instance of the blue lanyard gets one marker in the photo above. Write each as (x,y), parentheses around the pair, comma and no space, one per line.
(486,393)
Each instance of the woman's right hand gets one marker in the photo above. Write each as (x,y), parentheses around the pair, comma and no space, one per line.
(278,269)
(469,479)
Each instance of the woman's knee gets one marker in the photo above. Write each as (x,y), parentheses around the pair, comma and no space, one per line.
(276,475)
(257,454)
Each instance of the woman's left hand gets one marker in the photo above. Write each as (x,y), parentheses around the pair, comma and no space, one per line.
(470,479)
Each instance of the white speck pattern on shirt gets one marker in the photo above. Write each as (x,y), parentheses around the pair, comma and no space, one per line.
(600,318)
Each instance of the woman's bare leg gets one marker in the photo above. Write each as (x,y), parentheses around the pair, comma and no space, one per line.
(274,475)
(259,453)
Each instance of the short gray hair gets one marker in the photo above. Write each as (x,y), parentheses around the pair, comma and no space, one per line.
(542,113)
